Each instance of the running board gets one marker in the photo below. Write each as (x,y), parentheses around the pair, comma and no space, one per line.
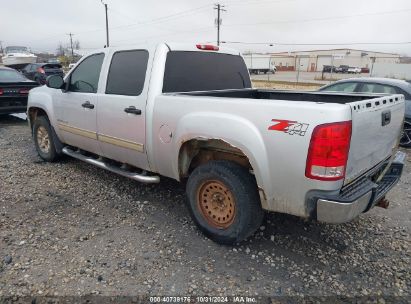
(141,177)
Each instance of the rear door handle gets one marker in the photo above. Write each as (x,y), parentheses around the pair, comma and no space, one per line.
(87,105)
(132,110)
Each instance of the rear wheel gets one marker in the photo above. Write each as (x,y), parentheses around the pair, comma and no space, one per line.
(43,139)
(224,201)
(406,135)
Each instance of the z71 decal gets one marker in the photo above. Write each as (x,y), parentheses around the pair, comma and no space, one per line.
(288,126)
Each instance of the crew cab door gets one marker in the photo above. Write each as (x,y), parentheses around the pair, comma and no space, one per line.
(76,107)
(121,113)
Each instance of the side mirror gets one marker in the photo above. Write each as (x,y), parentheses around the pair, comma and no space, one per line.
(55,82)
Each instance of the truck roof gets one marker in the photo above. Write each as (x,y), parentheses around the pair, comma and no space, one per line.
(173,46)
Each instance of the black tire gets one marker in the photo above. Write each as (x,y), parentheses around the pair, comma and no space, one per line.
(406,135)
(241,186)
(49,154)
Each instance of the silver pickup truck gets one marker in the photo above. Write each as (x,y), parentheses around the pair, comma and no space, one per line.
(189,112)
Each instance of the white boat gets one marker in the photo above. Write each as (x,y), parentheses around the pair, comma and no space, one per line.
(17,57)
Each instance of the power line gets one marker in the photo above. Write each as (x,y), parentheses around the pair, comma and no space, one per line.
(184,13)
(322,19)
(163,18)
(208,28)
(258,2)
(309,44)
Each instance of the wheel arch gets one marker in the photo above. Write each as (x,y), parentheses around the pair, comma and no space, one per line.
(198,150)
(34,112)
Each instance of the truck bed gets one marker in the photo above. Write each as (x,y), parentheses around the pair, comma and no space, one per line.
(367,113)
(323,97)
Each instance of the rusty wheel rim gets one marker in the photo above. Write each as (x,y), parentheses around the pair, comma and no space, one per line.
(43,140)
(217,204)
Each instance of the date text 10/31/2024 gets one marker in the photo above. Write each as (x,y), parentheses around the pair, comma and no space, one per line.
(202,299)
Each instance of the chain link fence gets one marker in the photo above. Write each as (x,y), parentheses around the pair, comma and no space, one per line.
(322,69)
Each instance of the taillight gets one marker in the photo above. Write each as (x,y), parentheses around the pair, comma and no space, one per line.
(41,70)
(24,91)
(328,151)
(207,47)
(1,91)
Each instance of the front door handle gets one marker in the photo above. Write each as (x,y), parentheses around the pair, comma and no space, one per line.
(87,105)
(132,110)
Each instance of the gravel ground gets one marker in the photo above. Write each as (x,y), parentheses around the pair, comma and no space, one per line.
(69,228)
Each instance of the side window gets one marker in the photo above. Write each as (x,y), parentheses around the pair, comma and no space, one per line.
(342,87)
(85,77)
(127,73)
(27,68)
(377,88)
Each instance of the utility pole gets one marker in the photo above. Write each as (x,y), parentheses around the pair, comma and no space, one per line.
(298,71)
(71,45)
(219,8)
(107,40)
(372,65)
(1,47)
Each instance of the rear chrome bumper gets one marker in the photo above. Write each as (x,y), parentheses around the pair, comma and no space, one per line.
(359,197)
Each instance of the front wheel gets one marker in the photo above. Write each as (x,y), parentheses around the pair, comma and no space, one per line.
(43,139)
(405,140)
(224,201)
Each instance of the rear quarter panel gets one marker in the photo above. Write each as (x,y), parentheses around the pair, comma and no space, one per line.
(278,158)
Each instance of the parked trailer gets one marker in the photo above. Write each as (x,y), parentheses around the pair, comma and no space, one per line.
(258,64)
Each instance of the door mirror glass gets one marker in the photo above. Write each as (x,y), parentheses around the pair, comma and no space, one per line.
(55,82)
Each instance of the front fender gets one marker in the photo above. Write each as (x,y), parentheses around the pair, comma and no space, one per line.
(42,98)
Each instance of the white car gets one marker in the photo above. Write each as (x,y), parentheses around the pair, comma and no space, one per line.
(354,70)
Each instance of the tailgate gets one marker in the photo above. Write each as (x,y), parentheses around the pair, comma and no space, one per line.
(376,127)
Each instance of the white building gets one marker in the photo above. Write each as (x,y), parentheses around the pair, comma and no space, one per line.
(312,61)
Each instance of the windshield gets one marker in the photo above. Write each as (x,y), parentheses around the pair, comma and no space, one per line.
(16,49)
(201,71)
(11,76)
